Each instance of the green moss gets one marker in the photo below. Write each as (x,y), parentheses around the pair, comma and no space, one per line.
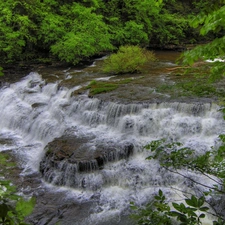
(101,86)
(125,81)
(5,160)
(49,151)
(197,87)
(97,87)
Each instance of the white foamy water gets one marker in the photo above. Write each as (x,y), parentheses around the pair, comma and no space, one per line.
(33,113)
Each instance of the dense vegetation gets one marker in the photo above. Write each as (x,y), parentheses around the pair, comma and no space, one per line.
(74,30)
(210,20)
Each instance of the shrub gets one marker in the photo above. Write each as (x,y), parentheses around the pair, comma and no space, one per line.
(128,59)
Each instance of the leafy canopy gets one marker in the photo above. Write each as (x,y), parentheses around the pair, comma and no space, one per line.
(212,21)
(85,34)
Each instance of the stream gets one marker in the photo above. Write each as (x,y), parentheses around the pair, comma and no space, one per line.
(83,158)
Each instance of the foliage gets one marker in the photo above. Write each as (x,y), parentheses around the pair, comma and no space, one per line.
(130,21)
(160,212)
(86,36)
(17,27)
(13,208)
(72,30)
(212,21)
(173,157)
(169,29)
(128,59)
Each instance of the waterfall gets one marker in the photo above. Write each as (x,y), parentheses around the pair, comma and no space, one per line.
(34,113)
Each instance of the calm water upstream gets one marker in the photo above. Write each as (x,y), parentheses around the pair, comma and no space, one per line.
(42,106)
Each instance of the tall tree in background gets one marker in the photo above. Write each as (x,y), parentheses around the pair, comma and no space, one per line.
(84,34)
(130,21)
(74,30)
(18,27)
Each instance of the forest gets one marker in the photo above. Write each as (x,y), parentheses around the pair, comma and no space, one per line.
(71,31)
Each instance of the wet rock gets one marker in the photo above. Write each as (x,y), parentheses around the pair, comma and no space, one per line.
(69,156)
(58,210)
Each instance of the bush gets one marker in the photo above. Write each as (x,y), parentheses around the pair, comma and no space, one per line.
(128,59)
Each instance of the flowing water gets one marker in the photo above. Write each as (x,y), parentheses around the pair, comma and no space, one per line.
(34,113)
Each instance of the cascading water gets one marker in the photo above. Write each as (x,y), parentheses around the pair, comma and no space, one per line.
(34,113)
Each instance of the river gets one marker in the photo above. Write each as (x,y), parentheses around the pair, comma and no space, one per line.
(46,105)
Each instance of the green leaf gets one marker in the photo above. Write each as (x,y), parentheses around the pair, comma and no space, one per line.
(192,202)
(175,214)
(160,193)
(154,144)
(24,208)
(201,201)
(202,215)
(4,209)
(176,206)
(204,209)
(157,197)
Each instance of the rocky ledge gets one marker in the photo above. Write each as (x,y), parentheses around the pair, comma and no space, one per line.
(68,156)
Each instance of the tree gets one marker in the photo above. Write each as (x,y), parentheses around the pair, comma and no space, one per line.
(210,21)
(18,28)
(130,21)
(85,34)
(73,30)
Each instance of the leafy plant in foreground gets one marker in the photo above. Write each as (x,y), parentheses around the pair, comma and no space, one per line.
(13,208)
(159,212)
(213,20)
(173,157)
